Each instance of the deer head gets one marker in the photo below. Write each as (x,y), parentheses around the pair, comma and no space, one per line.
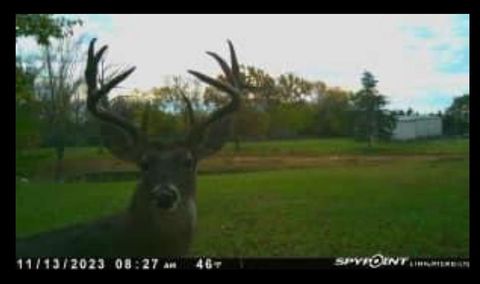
(165,197)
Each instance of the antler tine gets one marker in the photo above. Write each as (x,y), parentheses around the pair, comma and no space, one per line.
(232,88)
(224,66)
(234,62)
(94,94)
(214,82)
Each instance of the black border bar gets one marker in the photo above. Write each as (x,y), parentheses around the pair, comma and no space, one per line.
(218,263)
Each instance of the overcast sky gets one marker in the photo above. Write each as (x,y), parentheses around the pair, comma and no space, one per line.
(421,61)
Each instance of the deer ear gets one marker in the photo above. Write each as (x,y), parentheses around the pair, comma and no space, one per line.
(217,134)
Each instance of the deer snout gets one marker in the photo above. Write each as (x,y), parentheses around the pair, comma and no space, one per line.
(166,196)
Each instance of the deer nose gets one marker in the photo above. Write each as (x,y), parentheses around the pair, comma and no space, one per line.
(166,196)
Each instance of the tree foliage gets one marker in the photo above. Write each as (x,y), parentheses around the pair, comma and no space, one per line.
(43,27)
(371,120)
(28,107)
(456,120)
(56,88)
(332,117)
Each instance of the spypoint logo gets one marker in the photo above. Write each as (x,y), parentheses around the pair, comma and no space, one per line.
(374,261)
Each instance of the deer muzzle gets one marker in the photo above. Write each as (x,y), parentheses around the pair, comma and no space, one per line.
(166,196)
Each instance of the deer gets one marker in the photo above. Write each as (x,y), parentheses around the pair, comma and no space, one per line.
(161,218)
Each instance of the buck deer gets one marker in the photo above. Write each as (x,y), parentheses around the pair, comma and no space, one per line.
(161,218)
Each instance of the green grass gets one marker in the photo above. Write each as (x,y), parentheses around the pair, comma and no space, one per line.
(44,206)
(406,207)
(344,146)
(330,146)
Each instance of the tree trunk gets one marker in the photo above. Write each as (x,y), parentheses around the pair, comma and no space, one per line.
(101,146)
(59,144)
(101,141)
(371,127)
(60,151)
(237,143)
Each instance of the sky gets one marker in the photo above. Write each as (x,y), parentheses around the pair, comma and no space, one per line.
(421,61)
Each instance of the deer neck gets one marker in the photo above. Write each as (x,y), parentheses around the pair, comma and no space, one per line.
(151,229)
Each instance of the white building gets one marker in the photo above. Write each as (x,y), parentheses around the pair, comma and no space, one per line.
(412,127)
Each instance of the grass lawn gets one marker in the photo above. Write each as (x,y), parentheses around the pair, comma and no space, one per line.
(328,146)
(344,146)
(403,207)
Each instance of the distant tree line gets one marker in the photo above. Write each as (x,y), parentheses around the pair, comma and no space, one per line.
(286,107)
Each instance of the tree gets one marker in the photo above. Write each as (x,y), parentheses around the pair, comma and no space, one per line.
(56,87)
(290,120)
(26,107)
(250,123)
(42,27)
(170,105)
(371,120)
(332,113)
(456,119)
(78,118)
(319,89)
(262,88)
(387,124)
(293,89)
(409,111)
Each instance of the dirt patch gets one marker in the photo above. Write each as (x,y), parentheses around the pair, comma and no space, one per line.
(228,164)
(83,166)
(253,163)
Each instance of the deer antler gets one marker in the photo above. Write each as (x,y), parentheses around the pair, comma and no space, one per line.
(94,94)
(232,87)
